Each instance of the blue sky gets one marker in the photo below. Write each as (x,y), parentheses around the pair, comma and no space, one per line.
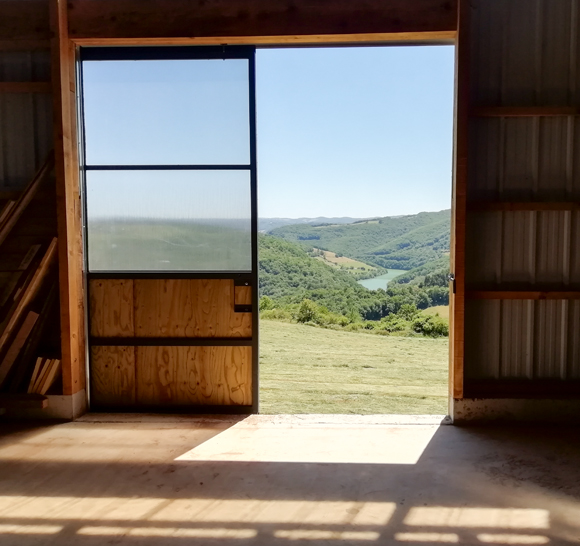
(341,132)
(354,131)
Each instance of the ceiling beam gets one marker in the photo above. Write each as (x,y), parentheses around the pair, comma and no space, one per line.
(125,22)
(24,25)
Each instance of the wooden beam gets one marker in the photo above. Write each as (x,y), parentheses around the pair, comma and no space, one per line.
(24,25)
(523,294)
(459,201)
(524,111)
(70,256)
(168,22)
(513,206)
(25,87)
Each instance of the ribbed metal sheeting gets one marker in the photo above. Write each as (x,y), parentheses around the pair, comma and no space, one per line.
(523,339)
(25,119)
(524,53)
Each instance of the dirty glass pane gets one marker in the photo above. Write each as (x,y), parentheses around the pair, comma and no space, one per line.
(169,220)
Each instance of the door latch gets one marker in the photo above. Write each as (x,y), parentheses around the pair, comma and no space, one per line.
(451,278)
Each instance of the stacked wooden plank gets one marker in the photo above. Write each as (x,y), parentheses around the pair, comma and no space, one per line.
(44,375)
(27,299)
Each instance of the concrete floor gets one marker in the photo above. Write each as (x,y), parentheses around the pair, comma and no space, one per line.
(283,480)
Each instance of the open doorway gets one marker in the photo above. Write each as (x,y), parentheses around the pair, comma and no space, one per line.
(354,158)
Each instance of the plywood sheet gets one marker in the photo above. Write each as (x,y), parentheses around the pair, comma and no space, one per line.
(243,295)
(194,376)
(188,308)
(113,376)
(111,308)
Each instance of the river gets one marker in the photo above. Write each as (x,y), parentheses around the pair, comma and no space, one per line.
(381,282)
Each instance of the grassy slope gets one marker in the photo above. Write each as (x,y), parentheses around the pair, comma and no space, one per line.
(399,243)
(310,370)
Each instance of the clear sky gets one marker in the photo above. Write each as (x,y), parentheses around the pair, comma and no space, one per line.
(354,131)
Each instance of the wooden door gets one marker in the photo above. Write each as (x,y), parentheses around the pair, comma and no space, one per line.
(171,228)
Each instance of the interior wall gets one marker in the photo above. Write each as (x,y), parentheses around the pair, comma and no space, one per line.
(522,322)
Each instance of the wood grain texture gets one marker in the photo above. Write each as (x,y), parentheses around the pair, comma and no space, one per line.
(523,294)
(68,201)
(243,295)
(111,308)
(524,112)
(459,204)
(17,344)
(25,23)
(29,293)
(25,87)
(188,308)
(113,376)
(510,206)
(184,376)
(145,20)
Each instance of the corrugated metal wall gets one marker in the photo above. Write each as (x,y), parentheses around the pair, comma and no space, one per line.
(25,118)
(524,53)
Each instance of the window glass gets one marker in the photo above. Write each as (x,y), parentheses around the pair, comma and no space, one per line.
(180,112)
(169,220)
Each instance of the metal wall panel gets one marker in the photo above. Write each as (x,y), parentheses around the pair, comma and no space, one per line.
(25,119)
(525,159)
(523,339)
(524,53)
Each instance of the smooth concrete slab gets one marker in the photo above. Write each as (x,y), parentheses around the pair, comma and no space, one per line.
(283,480)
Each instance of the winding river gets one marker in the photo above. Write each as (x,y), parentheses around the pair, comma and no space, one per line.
(381,281)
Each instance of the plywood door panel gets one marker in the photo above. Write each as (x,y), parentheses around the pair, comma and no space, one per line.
(111,308)
(113,376)
(194,375)
(188,308)
(243,295)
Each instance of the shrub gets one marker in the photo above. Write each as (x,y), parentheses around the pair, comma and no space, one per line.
(307,312)
(431,326)
(266,303)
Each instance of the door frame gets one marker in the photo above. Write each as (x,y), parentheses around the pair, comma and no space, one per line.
(394,22)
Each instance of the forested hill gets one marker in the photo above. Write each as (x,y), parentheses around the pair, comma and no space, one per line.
(286,269)
(402,242)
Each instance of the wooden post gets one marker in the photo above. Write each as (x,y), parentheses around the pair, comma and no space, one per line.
(458,217)
(68,201)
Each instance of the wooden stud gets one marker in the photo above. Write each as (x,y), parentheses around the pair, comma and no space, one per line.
(25,87)
(459,202)
(68,201)
(512,206)
(523,294)
(525,111)
(171,22)
(23,401)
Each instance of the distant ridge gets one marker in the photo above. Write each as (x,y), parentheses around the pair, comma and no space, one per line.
(267,224)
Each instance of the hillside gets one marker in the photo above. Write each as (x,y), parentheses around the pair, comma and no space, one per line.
(402,242)
(267,224)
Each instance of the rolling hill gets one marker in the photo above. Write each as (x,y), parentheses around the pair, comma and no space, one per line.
(402,242)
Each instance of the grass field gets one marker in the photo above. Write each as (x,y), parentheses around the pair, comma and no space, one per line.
(441,310)
(343,262)
(304,369)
